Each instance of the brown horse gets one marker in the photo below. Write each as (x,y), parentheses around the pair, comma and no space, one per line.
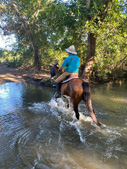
(77,89)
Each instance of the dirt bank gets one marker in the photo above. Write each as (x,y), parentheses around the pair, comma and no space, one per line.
(20,75)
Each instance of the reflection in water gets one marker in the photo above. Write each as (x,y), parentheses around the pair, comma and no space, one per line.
(112,99)
(38,132)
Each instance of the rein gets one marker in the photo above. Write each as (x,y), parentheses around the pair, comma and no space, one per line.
(59,72)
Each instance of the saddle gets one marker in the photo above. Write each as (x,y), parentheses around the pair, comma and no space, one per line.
(69,77)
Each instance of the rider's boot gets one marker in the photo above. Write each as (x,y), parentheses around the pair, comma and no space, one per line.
(58,94)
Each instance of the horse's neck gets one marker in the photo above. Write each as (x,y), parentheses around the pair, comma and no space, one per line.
(56,71)
(59,73)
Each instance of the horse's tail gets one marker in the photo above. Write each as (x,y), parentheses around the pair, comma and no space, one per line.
(88,102)
(86,91)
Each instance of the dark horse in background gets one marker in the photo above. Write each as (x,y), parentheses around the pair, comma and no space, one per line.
(77,89)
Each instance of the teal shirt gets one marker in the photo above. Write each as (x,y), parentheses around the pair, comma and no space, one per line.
(71,63)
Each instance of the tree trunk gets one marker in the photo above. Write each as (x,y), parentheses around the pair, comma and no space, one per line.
(29,34)
(92,41)
(90,57)
(36,60)
(88,3)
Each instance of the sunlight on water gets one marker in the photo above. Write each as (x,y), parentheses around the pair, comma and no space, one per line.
(9,99)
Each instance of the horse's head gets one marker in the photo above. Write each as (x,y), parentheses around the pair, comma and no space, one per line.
(53,70)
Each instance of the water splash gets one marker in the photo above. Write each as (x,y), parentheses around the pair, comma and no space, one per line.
(39,107)
(78,127)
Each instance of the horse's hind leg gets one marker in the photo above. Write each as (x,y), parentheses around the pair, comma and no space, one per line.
(68,103)
(75,107)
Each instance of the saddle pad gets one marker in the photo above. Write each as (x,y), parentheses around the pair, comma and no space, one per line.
(66,80)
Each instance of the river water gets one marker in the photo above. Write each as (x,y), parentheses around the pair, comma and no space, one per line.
(36,132)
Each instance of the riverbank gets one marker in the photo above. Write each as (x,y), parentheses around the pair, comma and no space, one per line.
(8,74)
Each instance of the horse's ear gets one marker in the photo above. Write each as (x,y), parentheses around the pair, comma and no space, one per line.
(56,65)
(51,65)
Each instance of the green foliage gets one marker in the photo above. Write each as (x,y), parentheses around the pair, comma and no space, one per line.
(52,56)
(16,58)
(11,58)
(51,26)
(111,52)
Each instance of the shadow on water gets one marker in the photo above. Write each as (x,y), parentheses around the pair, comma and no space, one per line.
(38,132)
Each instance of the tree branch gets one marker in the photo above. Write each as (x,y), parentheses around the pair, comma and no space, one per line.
(25,25)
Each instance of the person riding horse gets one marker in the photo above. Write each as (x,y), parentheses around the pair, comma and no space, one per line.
(71,63)
(76,90)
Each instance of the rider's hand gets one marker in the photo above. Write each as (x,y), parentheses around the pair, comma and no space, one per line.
(60,68)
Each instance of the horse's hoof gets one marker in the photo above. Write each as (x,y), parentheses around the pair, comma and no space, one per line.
(77,117)
(102,127)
